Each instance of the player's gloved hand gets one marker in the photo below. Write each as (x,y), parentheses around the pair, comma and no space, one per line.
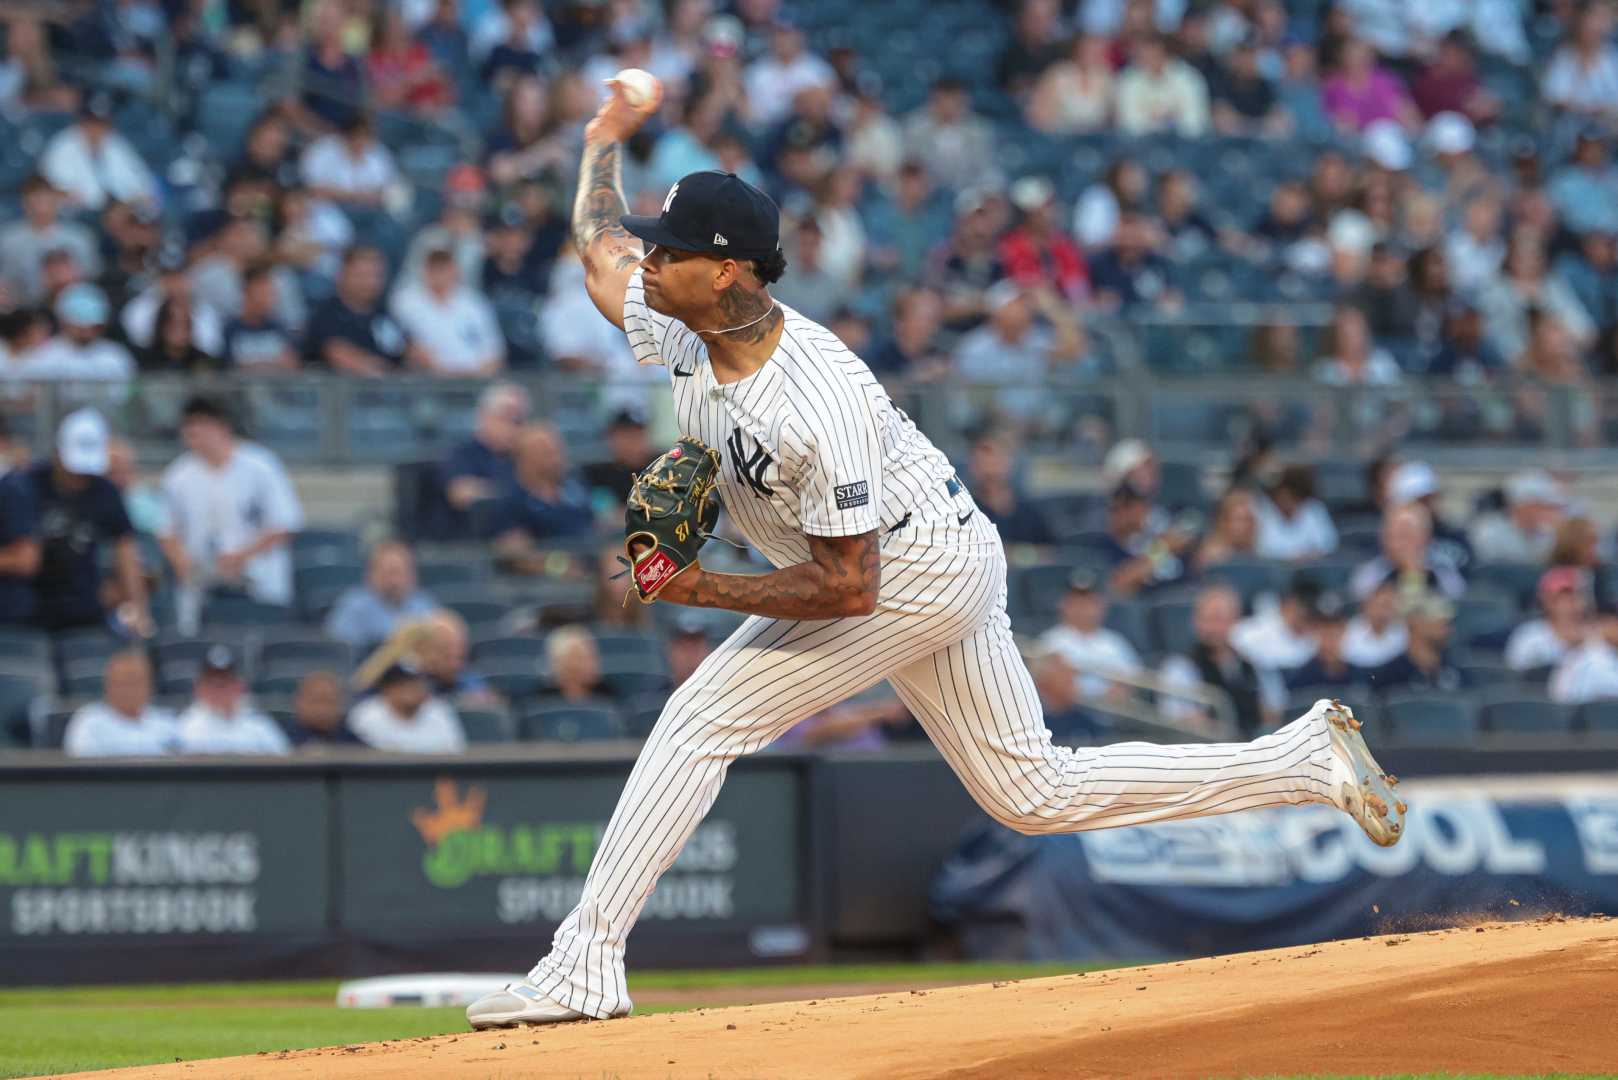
(671,512)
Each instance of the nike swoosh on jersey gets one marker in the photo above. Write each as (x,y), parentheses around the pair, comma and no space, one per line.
(678,374)
(964,518)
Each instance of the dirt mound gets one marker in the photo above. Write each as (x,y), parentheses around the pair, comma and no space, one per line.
(1500,997)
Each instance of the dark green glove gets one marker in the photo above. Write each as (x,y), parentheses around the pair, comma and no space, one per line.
(671,513)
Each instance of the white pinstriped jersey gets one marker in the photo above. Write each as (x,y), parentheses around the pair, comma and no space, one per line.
(811,443)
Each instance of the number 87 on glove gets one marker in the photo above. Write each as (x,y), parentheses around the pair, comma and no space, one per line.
(671,512)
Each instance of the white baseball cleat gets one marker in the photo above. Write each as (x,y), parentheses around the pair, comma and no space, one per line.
(1359,786)
(520,1003)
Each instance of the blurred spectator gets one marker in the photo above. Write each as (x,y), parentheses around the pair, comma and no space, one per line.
(1016,352)
(232,510)
(92,163)
(1416,482)
(687,647)
(61,511)
(143,500)
(575,665)
(482,467)
(1233,534)
(1449,84)
(1526,531)
(1293,525)
(350,333)
(517,40)
(1132,274)
(81,352)
(517,258)
(124,722)
(809,284)
(775,79)
(317,713)
(402,73)
(1328,628)
(1377,634)
(313,237)
(221,719)
(1583,75)
(1354,360)
(1463,353)
(366,615)
(1425,663)
(1074,95)
(991,464)
(1577,544)
(1280,635)
(1386,295)
(1035,44)
(1244,101)
(856,724)
(528,142)
(1143,554)
(1524,286)
(1408,558)
(139,316)
(173,350)
(1089,647)
(1585,190)
(545,503)
(403,716)
(875,142)
(441,643)
(1214,662)
(23,243)
(1590,672)
(1591,272)
(459,230)
(217,277)
(915,345)
(451,329)
(1123,188)
(1187,232)
(956,145)
(1133,461)
(965,265)
(1298,91)
(1036,253)
(1058,684)
(1475,251)
(332,80)
(29,79)
(351,167)
(628,452)
(577,339)
(1360,92)
(1157,92)
(255,340)
(843,241)
(1564,604)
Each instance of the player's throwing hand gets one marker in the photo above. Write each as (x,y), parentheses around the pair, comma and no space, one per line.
(617,119)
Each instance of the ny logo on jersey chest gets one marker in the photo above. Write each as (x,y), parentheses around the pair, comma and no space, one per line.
(749,468)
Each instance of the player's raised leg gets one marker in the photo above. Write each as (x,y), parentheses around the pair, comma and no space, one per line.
(978,704)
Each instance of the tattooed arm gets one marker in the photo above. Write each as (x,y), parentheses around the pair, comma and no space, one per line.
(606,248)
(841,578)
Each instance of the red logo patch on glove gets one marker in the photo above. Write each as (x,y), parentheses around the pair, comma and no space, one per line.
(654,571)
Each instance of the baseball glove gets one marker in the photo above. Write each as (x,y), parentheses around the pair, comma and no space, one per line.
(671,513)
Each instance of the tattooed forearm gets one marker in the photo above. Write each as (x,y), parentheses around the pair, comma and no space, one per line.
(842,580)
(601,241)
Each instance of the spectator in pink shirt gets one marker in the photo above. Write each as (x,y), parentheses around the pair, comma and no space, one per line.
(1361,92)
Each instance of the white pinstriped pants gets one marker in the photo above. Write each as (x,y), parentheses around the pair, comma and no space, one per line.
(940,635)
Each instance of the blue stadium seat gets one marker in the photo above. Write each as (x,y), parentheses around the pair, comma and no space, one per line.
(1250,577)
(86,644)
(225,113)
(324,547)
(623,649)
(566,723)
(244,611)
(508,650)
(1171,626)
(1516,712)
(626,683)
(1483,612)
(23,644)
(18,695)
(1599,717)
(438,575)
(1132,619)
(487,726)
(1520,581)
(519,682)
(1432,719)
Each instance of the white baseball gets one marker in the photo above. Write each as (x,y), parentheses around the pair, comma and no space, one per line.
(638,87)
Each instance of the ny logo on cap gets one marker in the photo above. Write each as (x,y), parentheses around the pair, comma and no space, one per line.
(720,240)
(668,200)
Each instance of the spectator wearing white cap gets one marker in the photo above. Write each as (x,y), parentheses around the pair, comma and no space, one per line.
(1525,531)
(124,722)
(93,163)
(403,715)
(81,352)
(72,509)
(231,509)
(221,719)
(1564,603)
(451,328)
(1416,482)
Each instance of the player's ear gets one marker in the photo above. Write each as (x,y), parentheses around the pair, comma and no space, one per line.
(729,270)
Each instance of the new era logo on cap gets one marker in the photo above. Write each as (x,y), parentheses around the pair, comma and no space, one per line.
(713,213)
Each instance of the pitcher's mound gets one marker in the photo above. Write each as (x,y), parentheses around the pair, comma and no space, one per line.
(1519,997)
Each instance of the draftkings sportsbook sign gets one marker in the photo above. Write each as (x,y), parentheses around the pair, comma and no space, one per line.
(98,858)
(470,853)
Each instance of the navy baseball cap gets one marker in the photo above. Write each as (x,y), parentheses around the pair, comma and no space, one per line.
(713,213)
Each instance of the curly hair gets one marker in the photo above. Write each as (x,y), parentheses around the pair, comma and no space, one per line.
(770,268)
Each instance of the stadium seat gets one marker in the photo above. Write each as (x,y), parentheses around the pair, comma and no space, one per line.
(55,728)
(1599,717)
(1250,577)
(177,676)
(313,654)
(84,645)
(274,685)
(244,611)
(1171,626)
(565,723)
(323,547)
(18,695)
(24,644)
(1520,581)
(1432,719)
(518,648)
(1038,590)
(1132,619)
(626,682)
(1324,574)
(1484,613)
(621,649)
(487,726)
(439,575)
(83,678)
(1515,712)
(518,682)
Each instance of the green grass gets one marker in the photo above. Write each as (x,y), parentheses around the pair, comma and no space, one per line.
(46,1030)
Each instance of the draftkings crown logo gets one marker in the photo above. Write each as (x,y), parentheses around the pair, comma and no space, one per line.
(450,813)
